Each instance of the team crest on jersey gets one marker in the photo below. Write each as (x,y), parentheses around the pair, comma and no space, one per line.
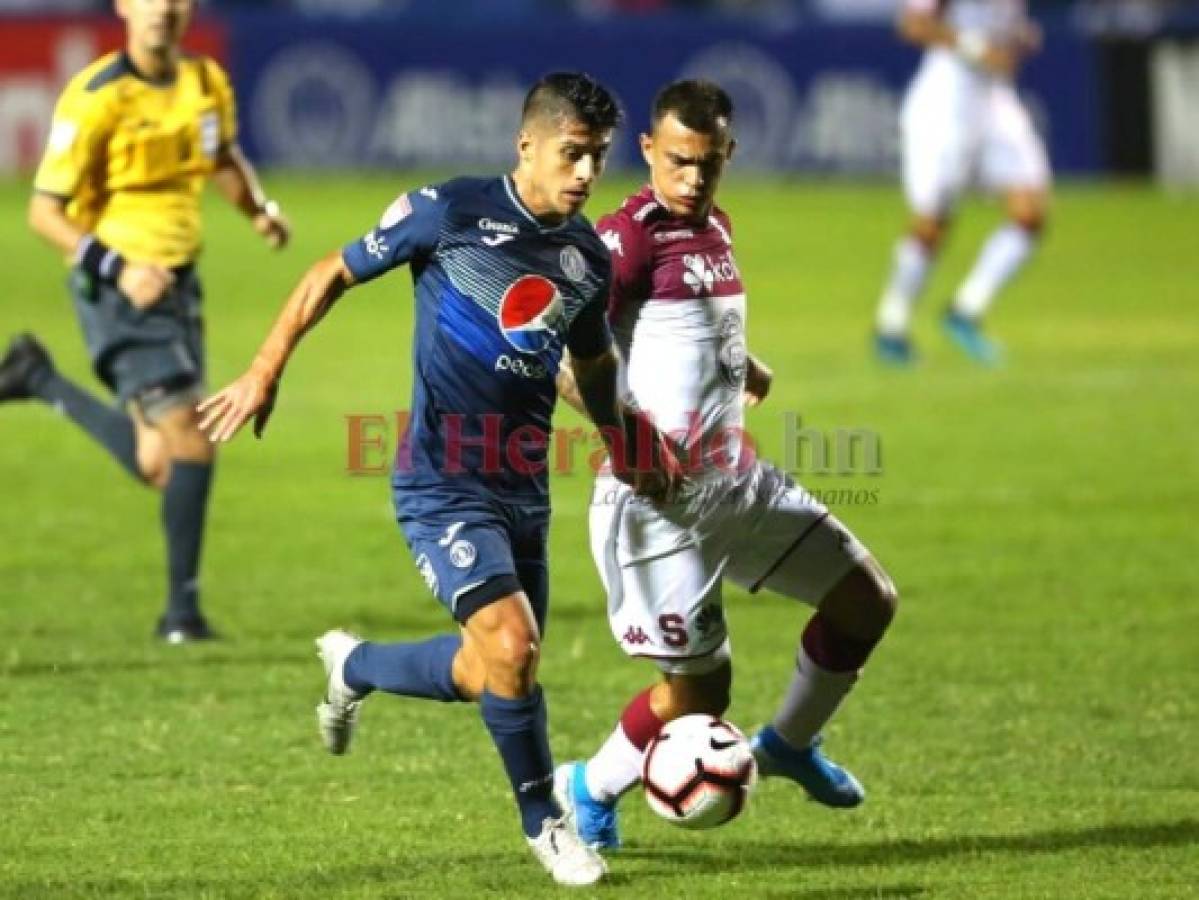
(733,355)
(531,312)
(573,264)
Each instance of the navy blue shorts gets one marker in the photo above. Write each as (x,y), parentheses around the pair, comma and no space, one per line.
(473,549)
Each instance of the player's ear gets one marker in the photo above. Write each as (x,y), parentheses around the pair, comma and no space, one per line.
(647,148)
(524,146)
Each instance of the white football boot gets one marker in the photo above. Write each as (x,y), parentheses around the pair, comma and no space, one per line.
(570,861)
(337,714)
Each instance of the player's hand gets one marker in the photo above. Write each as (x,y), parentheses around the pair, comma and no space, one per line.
(143,284)
(758,378)
(663,483)
(224,413)
(662,478)
(1001,60)
(1029,39)
(273,226)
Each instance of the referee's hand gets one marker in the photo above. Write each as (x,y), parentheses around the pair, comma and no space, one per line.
(144,284)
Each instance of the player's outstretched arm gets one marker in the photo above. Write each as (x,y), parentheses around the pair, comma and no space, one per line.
(253,394)
(238,183)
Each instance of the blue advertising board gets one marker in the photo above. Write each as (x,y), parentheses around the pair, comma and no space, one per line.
(394,92)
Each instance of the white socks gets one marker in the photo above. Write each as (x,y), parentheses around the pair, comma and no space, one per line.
(908,275)
(812,697)
(1001,257)
(615,768)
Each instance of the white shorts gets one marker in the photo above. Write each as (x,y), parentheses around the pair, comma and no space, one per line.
(950,144)
(663,568)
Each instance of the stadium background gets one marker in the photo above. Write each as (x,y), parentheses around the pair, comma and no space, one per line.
(1028,730)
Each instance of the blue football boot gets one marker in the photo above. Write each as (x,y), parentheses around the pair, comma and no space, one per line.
(595,822)
(825,781)
(968,336)
(894,350)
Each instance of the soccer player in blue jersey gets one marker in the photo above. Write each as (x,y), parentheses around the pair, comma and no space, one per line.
(507,274)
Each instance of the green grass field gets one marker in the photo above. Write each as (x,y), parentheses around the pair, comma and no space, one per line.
(1028,729)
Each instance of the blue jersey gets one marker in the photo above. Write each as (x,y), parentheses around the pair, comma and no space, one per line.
(498,296)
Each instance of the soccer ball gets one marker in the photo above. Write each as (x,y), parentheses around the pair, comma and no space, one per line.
(698,772)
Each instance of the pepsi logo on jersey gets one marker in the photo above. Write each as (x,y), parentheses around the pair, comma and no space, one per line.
(531,312)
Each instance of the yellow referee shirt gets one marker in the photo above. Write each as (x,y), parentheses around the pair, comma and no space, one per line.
(130,155)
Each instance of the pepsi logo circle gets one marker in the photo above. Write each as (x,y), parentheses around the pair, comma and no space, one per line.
(531,312)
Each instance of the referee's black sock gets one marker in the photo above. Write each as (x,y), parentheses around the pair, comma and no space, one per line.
(184,503)
(109,427)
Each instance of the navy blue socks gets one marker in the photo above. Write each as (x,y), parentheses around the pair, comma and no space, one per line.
(423,669)
(519,731)
(184,504)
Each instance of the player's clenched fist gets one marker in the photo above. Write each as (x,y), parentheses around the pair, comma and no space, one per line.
(224,413)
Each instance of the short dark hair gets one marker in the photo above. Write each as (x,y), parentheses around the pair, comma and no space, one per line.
(702,106)
(573,96)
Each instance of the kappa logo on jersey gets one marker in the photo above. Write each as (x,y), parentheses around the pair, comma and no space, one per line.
(611,239)
(531,312)
(635,635)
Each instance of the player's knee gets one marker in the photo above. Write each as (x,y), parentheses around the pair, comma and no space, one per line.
(930,232)
(514,654)
(153,464)
(1031,221)
(864,603)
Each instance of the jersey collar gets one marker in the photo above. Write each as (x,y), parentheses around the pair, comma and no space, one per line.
(514,197)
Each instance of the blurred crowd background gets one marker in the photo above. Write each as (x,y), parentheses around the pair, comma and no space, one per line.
(352,84)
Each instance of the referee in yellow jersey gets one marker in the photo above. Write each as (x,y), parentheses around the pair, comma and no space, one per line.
(134,138)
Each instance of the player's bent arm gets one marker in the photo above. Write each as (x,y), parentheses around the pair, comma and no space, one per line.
(568,386)
(928,29)
(238,183)
(638,452)
(253,394)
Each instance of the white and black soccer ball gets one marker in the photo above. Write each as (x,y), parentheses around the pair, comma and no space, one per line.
(698,772)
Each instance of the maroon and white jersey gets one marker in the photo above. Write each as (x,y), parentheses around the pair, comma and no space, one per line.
(677,311)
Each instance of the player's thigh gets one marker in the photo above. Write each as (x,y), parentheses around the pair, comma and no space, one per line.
(530,540)
(796,548)
(172,413)
(937,161)
(461,546)
(1013,156)
(664,585)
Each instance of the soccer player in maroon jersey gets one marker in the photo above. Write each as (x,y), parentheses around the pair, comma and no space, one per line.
(678,314)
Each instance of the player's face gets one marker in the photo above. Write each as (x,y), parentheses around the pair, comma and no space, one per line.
(685,166)
(155,26)
(560,163)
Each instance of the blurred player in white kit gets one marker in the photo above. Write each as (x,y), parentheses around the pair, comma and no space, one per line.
(962,123)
